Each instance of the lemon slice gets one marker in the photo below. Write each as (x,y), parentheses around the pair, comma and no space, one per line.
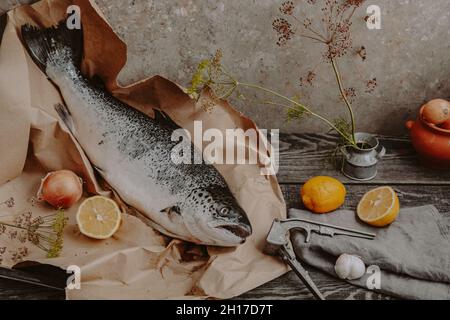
(379,207)
(98,217)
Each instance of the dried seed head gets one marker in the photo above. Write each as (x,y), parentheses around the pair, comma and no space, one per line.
(350,93)
(287,8)
(362,52)
(371,85)
(284,30)
(308,80)
(9,203)
(44,232)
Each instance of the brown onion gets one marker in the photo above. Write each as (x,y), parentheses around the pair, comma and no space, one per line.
(61,189)
(436,111)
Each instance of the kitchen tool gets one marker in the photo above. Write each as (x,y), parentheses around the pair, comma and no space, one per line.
(279,243)
(361,163)
(25,277)
(431,142)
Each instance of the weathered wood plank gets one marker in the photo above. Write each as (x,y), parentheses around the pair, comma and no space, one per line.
(289,287)
(304,156)
(409,195)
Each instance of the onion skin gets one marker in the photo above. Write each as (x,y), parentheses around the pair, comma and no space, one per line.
(436,111)
(61,189)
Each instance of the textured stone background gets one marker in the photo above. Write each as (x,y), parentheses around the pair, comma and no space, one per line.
(409,56)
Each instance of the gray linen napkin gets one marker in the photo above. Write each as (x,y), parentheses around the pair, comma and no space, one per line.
(413,253)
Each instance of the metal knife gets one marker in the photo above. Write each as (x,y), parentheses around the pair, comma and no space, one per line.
(25,277)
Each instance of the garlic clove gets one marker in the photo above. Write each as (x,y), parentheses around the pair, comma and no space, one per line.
(342,266)
(349,267)
(358,269)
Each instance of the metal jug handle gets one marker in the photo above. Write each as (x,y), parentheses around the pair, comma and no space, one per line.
(381,151)
(345,152)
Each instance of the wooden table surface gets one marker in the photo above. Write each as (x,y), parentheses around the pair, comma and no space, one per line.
(304,156)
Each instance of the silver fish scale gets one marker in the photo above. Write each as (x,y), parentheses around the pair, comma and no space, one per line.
(142,138)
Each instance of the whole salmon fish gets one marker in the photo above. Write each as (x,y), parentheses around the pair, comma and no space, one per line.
(133,151)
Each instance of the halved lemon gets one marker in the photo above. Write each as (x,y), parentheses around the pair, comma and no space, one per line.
(379,207)
(98,217)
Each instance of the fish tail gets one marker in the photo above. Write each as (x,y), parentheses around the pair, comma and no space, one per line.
(57,45)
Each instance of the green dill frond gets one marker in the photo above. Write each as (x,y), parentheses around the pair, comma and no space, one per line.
(60,222)
(199,78)
(56,241)
(55,248)
(296,113)
(345,127)
(211,73)
(45,232)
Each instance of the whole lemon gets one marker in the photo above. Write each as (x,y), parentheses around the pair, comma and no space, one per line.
(323,194)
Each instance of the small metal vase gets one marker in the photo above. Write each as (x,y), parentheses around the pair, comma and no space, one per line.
(361,163)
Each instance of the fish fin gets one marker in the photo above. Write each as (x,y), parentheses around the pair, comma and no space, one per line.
(172,209)
(98,82)
(164,119)
(154,225)
(66,117)
(99,170)
(164,231)
(53,42)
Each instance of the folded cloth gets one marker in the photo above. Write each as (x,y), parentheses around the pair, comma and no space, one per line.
(413,253)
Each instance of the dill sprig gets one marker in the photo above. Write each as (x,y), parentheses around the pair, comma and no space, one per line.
(345,127)
(212,74)
(45,232)
(331,29)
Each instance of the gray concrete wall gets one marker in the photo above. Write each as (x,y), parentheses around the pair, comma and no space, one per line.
(409,56)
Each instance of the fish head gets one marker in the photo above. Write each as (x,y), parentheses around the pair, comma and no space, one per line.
(213,216)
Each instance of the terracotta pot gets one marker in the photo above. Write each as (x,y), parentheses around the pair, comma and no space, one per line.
(431,143)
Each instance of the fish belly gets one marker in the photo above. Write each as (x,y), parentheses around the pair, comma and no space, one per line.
(129,151)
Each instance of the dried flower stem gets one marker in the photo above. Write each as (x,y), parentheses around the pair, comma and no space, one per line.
(212,74)
(344,96)
(293,102)
(336,38)
(44,232)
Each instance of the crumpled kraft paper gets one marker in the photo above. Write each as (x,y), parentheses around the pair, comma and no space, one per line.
(137,262)
(6,5)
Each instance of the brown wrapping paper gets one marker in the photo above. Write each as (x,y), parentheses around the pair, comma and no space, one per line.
(137,262)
